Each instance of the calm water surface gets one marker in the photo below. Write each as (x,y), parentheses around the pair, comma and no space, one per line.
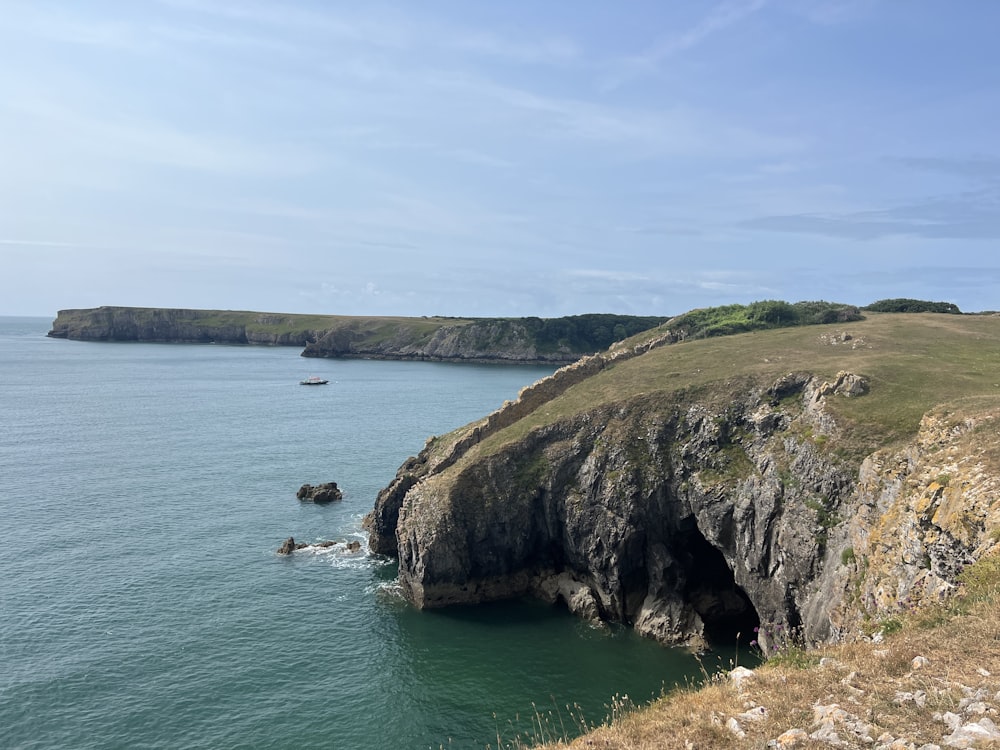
(144,489)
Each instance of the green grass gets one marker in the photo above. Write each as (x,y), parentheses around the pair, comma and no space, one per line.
(914,362)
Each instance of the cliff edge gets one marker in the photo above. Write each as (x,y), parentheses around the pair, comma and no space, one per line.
(808,481)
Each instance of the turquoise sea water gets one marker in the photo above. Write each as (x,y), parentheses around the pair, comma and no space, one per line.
(144,489)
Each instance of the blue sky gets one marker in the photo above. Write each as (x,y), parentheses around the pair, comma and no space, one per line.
(497,159)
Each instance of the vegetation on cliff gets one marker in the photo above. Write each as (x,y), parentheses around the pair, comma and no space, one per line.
(515,340)
(759,316)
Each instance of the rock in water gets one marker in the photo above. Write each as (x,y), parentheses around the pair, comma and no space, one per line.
(287,546)
(321,493)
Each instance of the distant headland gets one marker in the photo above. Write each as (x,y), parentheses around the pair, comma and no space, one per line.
(528,340)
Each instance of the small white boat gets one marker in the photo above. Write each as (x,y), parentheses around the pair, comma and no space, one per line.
(314,380)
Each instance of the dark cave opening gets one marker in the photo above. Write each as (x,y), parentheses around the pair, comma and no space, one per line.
(727,612)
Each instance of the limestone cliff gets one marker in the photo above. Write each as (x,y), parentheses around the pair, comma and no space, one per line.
(186,326)
(698,511)
(495,340)
(923,512)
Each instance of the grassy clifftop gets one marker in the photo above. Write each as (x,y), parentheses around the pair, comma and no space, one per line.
(914,361)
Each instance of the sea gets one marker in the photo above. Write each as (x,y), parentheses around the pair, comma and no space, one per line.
(144,492)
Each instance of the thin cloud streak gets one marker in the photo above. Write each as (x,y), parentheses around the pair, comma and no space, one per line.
(719,18)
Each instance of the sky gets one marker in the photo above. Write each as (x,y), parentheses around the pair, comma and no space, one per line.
(512,158)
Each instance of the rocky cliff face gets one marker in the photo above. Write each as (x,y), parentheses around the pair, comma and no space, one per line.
(922,513)
(487,340)
(179,326)
(691,516)
(495,341)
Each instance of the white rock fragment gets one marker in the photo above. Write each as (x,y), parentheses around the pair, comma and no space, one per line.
(828,734)
(919,698)
(789,740)
(919,662)
(983,672)
(829,661)
(734,726)
(969,735)
(973,698)
(754,714)
(739,676)
(832,721)
(952,721)
(830,713)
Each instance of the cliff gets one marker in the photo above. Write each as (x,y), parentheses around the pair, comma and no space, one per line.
(494,341)
(806,481)
(501,340)
(187,326)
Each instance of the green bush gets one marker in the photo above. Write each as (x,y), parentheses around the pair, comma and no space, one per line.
(904,305)
(729,319)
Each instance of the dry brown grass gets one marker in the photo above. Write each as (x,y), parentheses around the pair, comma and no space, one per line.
(959,639)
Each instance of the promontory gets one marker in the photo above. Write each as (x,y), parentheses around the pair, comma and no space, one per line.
(501,340)
(794,479)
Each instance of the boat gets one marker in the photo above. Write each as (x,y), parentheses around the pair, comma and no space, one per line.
(314,380)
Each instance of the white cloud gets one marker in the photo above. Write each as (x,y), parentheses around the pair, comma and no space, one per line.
(719,18)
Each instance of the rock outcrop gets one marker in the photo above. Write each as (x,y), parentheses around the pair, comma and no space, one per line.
(184,326)
(690,518)
(922,513)
(327,492)
(692,515)
(488,341)
(290,545)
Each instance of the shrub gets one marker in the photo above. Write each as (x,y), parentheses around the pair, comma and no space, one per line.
(903,304)
(764,314)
